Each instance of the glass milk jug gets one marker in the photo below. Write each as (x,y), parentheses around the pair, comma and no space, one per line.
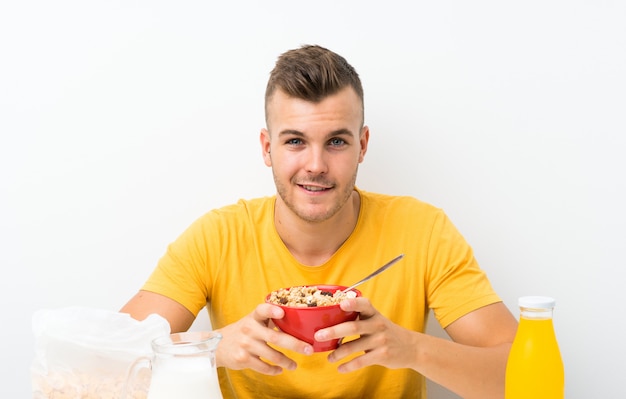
(183,366)
(535,369)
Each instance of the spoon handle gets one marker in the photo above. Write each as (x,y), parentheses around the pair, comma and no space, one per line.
(376,272)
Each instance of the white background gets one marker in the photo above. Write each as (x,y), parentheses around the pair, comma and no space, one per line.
(123,121)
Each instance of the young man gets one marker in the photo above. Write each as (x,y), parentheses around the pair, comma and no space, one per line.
(320,228)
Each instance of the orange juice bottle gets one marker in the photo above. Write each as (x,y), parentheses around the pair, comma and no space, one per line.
(535,369)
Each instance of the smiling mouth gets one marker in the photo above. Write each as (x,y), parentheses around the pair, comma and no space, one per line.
(314,188)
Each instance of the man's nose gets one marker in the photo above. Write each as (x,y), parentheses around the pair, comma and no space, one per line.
(316,161)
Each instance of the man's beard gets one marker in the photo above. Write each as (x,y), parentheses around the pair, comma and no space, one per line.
(346,194)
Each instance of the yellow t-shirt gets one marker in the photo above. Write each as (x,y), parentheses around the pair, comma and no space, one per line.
(232,257)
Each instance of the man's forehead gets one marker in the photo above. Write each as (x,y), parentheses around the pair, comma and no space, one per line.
(281,104)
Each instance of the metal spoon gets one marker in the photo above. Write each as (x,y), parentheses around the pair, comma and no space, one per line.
(378,271)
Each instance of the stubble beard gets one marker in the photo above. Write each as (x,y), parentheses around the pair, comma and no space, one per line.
(283,193)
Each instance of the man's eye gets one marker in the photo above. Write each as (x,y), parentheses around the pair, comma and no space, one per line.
(336,142)
(294,141)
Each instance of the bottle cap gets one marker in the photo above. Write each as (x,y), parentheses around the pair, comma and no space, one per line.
(537,302)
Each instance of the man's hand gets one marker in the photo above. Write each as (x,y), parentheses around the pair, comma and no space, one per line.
(472,365)
(245,343)
(384,343)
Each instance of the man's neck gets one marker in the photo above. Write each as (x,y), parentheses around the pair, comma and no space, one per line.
(311,243)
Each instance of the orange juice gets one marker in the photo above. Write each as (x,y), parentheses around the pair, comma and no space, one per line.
(535,368)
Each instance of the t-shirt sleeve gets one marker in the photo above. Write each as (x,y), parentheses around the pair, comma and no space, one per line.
(456,285)
(183,273)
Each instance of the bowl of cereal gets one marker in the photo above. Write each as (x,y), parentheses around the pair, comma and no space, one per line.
(309,308)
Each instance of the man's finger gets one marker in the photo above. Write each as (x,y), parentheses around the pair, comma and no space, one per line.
(265,311)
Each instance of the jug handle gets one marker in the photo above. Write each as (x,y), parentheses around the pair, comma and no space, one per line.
(132,374)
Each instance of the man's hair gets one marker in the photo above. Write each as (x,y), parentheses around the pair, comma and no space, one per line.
(312,73)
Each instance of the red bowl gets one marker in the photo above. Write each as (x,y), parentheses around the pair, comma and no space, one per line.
(303,322)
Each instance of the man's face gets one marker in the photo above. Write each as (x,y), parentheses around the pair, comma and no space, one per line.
(314,150)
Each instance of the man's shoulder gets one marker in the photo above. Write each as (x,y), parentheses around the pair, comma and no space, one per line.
(391,201)
(246,204)
(242,211)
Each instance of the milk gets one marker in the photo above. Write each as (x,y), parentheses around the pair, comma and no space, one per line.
(188,378)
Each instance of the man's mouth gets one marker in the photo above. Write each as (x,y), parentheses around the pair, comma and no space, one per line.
(314,188)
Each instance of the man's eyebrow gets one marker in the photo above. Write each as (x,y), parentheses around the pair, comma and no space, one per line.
(290,132)
(339,132)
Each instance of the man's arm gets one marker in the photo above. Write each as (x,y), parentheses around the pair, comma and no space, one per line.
(473,365)
(244,343)
(145,303)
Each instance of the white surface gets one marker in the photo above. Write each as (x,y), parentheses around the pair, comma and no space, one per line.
(121,122)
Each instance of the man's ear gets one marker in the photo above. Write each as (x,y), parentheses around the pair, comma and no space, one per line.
(266,145)
(364,139)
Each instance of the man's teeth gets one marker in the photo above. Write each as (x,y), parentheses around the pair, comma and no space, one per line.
(313,188)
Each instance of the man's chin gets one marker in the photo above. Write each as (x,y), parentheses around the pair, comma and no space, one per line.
(317,216)
(313,219)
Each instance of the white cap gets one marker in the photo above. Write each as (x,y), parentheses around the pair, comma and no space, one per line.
(537,302)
